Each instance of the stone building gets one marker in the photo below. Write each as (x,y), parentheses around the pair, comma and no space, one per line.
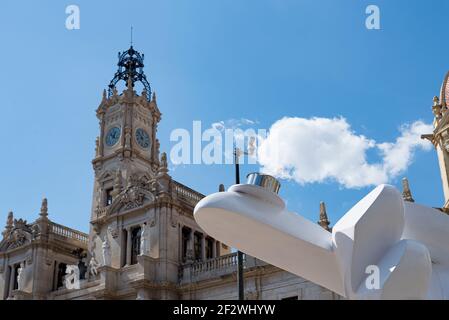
(143,241)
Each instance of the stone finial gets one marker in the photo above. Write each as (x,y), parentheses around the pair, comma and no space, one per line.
(129,83)
(145,93)
(163,162)
(153,98)
(324,221)
(221,188)
(436,101)
(10,220)
(9,224)
(158,147)
(406,192)
(104,95)
(44,208)
(436,107)
(97,146)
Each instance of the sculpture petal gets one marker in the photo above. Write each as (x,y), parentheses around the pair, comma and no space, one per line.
(366,232)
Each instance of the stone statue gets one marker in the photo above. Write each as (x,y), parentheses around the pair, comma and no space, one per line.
(406,192)
(106,251)
(93,266)
(145,240)
(127,138)
(21,277)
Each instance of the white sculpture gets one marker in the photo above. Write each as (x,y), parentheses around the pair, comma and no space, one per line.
(383,248)
(106,251)
(145,240)
(93,267)
(21,277)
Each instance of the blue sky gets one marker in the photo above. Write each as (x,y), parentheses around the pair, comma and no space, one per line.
(212,61)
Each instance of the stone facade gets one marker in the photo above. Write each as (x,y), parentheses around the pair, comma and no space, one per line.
(143,241)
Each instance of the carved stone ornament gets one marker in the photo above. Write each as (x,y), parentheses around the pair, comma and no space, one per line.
(136,193)
(114,231)
(19,235)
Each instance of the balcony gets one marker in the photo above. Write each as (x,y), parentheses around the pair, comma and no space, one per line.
(67,233)
(183,192)
(217,267)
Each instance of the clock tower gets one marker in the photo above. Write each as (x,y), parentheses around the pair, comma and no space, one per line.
(126,162)
(142,226)
(127,144)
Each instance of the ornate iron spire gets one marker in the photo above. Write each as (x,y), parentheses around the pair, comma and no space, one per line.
(130,69)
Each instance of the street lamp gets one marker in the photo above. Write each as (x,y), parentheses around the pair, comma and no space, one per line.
(237,153)
(240,280)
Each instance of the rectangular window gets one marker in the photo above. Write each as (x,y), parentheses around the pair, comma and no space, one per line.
(135,244)
(185,242)
(61,275)
(209,248)
(108,200)
(16,277)
(197,246)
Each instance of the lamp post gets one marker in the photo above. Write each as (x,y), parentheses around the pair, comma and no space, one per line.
(240,280)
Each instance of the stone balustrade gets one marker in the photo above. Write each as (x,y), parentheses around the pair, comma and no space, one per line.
(219,263)
(185,193)
(217,267)
(63,231)
(100,212)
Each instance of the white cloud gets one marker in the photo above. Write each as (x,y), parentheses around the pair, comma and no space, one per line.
(327,149)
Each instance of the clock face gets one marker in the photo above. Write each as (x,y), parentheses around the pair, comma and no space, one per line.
(142,138)
(112,136)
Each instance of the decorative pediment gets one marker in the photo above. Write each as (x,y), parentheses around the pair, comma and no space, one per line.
(106,175)
(133,196)
(19,235)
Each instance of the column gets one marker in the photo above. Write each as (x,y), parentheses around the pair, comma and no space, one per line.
(214,249)
(180,242)
(190,247)
(218,248)
(123,251)
(5,292)
(203,247)
(11,280)
(128,246)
